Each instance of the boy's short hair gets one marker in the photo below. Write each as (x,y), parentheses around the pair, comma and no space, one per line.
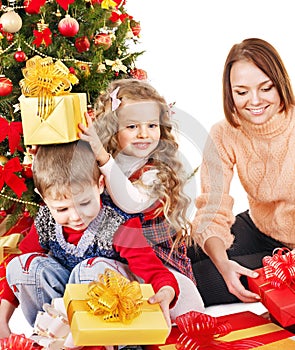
(62,170)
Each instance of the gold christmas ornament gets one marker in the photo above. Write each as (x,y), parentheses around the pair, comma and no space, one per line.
(3,160)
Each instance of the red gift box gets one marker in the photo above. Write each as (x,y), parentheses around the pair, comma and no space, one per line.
(280,302)
(244,326)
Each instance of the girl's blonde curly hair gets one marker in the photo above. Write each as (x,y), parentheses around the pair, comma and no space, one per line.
(164,158)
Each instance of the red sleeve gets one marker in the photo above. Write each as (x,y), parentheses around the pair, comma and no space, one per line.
(31,242)
(5,291)
(130,242)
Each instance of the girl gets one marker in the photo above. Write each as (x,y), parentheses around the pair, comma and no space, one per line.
(137,154)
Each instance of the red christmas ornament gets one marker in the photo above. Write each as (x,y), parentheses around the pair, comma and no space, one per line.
(82,44)
(139,74)
(6,86)
(90,111)
(3,213)
(135,27)
(72,70)
(68,26)
(9,36)
(103,40)
(26,213)
(27,171)
(20,56)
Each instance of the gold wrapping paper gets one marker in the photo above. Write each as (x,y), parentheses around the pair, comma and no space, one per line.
(9,244)
(149,327)
(61,126)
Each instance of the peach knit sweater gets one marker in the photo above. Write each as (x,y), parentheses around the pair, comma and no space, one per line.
(264,157)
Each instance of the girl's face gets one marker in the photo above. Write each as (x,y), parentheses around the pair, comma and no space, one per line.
(139,128)
(255,97)
(77,211)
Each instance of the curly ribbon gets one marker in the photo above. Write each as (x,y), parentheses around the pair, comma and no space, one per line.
(8,245)
(8,176)
(279,269)
(17,342)
(114,297)
(201,331)
(44,79)
(51,327)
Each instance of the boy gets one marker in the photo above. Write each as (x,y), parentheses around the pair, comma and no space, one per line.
(76,236)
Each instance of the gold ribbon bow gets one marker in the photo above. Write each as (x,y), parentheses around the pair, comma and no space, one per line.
(44,79)
(9,244)
(115,297)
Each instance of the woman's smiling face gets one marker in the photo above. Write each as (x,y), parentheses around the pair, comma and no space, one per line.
(255,97)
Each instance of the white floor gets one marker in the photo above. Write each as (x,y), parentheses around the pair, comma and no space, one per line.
(19,325)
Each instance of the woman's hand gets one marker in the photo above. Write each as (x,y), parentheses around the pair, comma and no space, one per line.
(164,297)
(231,272)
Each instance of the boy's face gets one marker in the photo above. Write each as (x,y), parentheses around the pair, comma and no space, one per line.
(77,211)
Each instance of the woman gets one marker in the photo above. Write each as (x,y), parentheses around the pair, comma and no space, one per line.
(257,138)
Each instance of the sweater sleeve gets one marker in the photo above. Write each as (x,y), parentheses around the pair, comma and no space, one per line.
(214,216)
(141,258)
(127,196)
(31,243)
(5,291)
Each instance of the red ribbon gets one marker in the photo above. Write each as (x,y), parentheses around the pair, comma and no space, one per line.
(65,3)
(43,37)
(12,130)
(116,17)
(18,342)
(7,176)
(33,6)
(201,331)
(279,268)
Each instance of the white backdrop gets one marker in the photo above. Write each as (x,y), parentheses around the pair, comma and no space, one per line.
(186,43)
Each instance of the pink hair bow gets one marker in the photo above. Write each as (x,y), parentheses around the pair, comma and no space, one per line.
(115,101)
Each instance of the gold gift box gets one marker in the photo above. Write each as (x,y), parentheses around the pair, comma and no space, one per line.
(61,126)
(149,327)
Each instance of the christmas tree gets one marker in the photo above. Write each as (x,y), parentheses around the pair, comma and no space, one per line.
(92,38)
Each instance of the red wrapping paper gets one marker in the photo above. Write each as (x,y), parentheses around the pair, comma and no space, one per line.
(238,321)
(280,302)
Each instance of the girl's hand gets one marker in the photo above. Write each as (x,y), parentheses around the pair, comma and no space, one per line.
(89,134)
(231,272)
(164,297)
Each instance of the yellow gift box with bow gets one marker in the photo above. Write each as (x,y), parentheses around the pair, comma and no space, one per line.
(149,327)
(50,113)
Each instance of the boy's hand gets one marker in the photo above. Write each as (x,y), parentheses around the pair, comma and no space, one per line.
(164,297)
